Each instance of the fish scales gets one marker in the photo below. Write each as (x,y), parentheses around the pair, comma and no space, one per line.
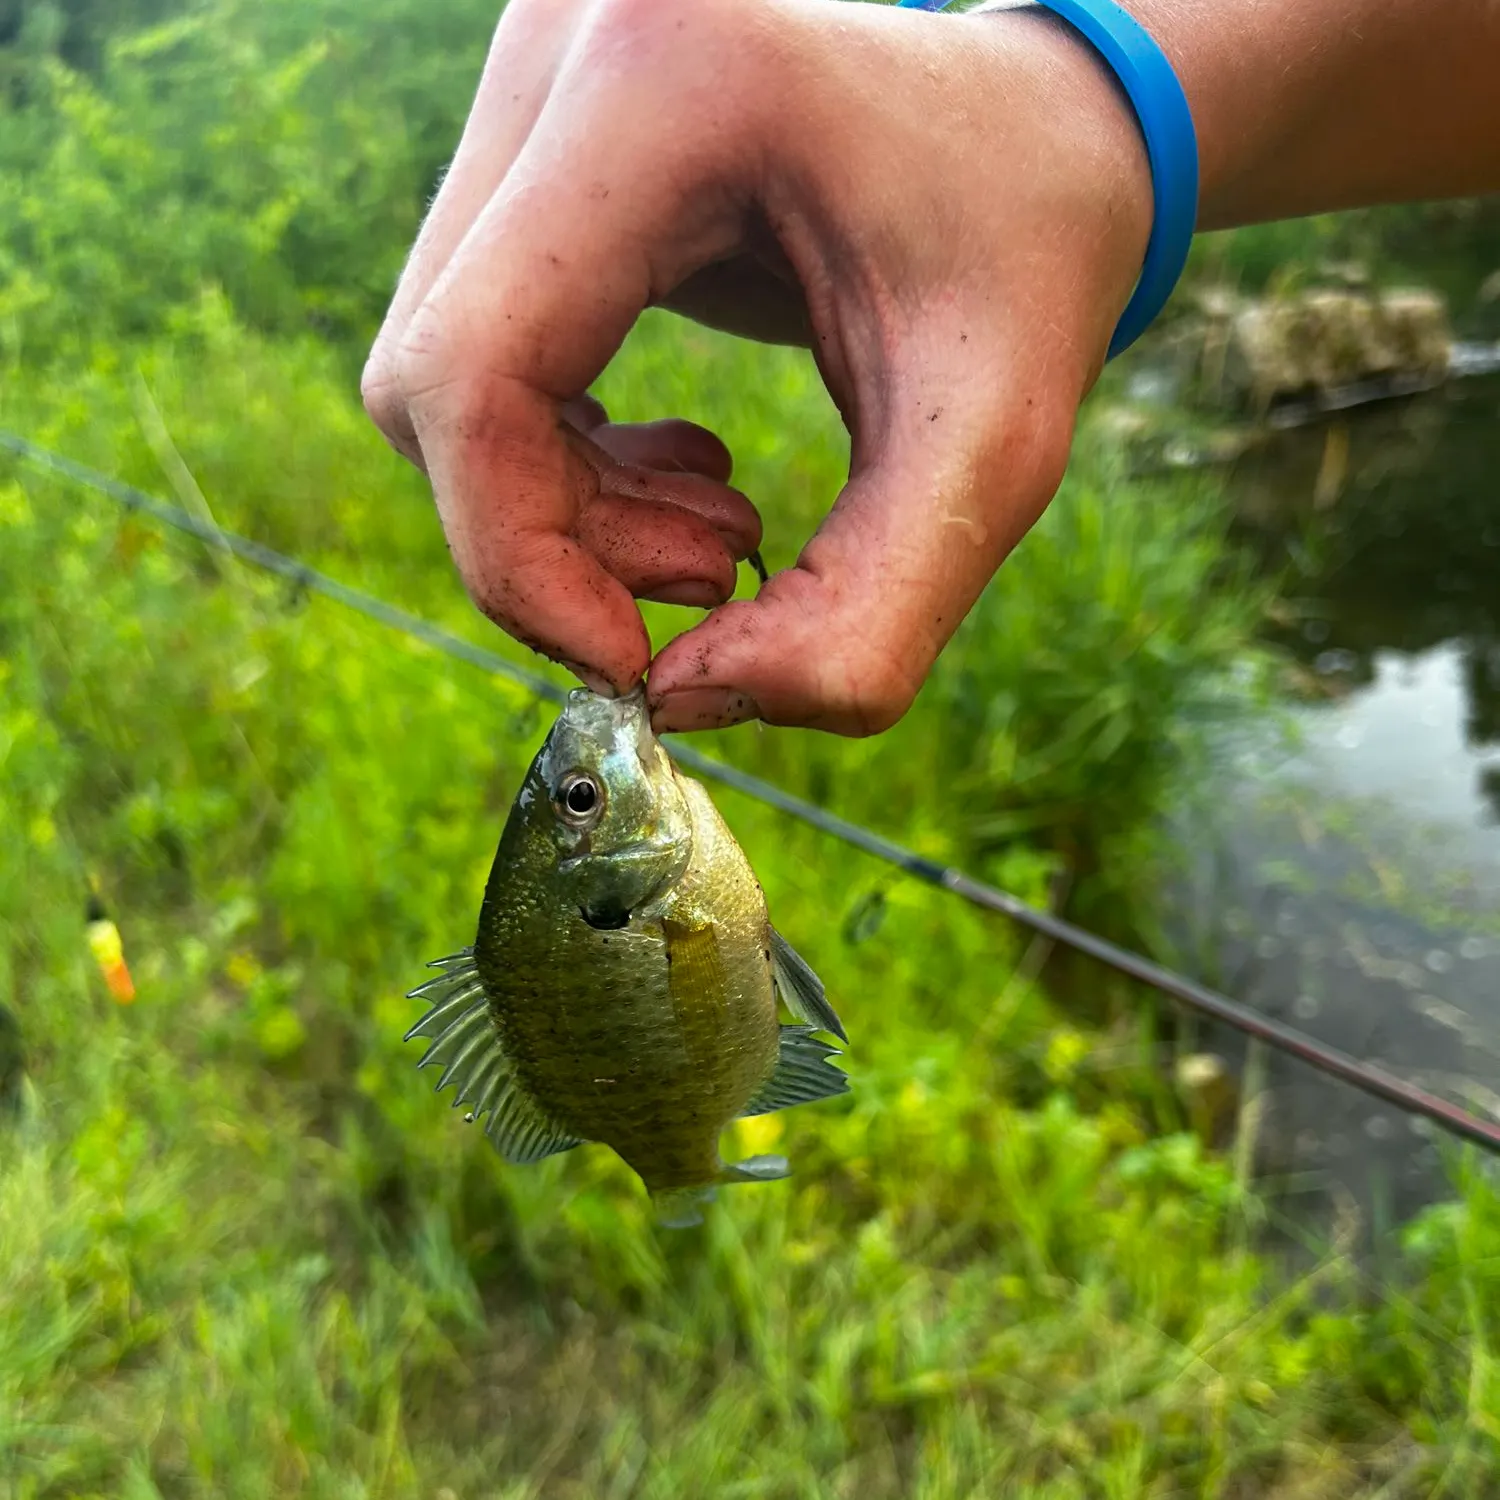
(629,969)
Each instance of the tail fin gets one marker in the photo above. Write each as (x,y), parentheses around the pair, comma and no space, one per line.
(682,1208)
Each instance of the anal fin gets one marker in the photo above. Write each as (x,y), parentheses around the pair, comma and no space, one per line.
(802,1074)
(682,1208)
(465,1042)
(757,1169)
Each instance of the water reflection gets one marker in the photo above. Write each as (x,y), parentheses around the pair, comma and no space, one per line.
(1409,736)
(1394,570)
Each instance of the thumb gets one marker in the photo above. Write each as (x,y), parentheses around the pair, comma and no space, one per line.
(843,640)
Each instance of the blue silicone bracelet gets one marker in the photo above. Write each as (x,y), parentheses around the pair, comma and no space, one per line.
(1171,146)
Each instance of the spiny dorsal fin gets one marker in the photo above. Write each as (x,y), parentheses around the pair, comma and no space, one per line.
(465,1041)
(801,989)
(801,1075)
(453,993)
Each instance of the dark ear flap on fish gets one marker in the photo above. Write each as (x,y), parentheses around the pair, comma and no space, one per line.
(801,1075)
(801,989)
(465,1041)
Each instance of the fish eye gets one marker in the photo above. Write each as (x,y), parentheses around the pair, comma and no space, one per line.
(578,797)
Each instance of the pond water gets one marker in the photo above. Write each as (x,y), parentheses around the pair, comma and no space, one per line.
(1415,735)
(1398,575)
(1354,888)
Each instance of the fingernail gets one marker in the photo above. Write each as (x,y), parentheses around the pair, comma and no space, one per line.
(700,592)
(702,708)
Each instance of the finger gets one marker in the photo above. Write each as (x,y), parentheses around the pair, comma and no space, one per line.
(677,518)
(529,42)
(531,307)
(843,640)
(658,551)
(585,413)
(669,444)
(637,529)
(524,565)
(726,512)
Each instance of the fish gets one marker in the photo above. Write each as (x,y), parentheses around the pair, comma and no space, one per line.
(624,979)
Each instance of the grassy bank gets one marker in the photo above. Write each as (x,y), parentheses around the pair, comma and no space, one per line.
(243,1249)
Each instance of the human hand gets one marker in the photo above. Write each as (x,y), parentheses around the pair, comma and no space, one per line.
(951,211)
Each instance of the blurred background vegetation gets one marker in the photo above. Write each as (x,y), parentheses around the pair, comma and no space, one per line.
(245,1252)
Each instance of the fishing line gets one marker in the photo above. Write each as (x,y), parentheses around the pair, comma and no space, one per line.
(1366,1076)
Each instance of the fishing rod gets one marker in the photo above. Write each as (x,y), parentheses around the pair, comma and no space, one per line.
(1369,1077)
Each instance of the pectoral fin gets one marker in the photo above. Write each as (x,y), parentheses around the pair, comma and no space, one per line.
(698,987)
(801,989)
(801,1075)
(694,963)
(466,1043)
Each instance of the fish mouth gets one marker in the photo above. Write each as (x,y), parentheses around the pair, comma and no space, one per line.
(600,719)
(614,721)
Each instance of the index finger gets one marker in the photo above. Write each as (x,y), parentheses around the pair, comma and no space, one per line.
(590,225)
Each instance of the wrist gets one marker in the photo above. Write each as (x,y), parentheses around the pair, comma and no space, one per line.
(1145,85)
(1211,69)
(1217,57)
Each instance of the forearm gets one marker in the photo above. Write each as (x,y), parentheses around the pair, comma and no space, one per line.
(1305,106)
